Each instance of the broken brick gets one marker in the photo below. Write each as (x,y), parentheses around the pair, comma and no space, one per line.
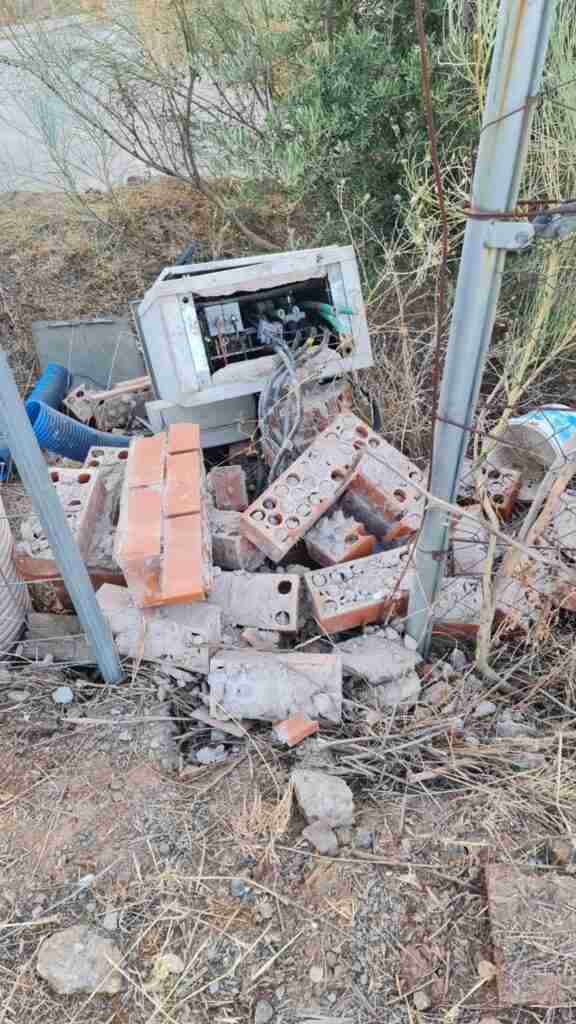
(381,493)
(228,485)
(533,921)
(360,592)
(262,600)
(230,550)
(338,538)
(272,687)
(294,730)
(503,487)
(82,496)
(284,513)
(80,404)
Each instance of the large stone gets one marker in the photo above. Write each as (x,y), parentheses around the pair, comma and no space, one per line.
(323,797)
(79,959)
(322,838)
(402,691)
(378,657)
(272,687)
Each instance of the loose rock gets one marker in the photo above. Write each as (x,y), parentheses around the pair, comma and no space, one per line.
(323,797)
(403,691)
(79,959)
(364,839)
(322,838)
(63,695)
(422,1000)
(484,709)
(18,696)
(316,975)
(264,1012)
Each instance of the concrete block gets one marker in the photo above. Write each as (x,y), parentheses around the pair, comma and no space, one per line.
(285,512)
(182,635)
(361,592)
(228,485)
(533,920)
(262,600)
(381,493)
(338,538)
(323,797)
(271,687)
(377,657)
(230,550)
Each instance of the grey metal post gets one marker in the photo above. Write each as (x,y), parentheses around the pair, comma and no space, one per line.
(21,440)
(517,62)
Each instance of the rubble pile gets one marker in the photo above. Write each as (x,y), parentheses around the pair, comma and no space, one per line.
(195,570)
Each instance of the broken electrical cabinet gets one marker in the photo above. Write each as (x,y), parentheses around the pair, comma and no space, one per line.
(210,331)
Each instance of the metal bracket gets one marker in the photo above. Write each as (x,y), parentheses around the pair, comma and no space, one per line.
(512,235)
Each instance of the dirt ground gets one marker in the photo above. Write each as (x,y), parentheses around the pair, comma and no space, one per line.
(108,820)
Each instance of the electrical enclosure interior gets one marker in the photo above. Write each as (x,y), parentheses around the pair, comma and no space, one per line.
(210,330)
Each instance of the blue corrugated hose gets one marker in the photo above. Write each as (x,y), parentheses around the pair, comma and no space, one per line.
(60,434)
(51,386)
(54,431)
(50,389)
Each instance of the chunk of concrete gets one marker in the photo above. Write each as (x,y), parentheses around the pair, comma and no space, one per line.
(262,600)
(271,687)
(402,691)
(59,636)
(322,838)
(79,959)
(378,657)
(323,797)
(180,635)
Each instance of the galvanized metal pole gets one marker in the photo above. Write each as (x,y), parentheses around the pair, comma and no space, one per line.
(21,440)
(517,62)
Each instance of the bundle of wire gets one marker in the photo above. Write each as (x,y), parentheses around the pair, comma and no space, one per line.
(280,404)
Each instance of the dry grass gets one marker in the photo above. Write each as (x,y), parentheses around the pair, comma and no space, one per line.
(72,259)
